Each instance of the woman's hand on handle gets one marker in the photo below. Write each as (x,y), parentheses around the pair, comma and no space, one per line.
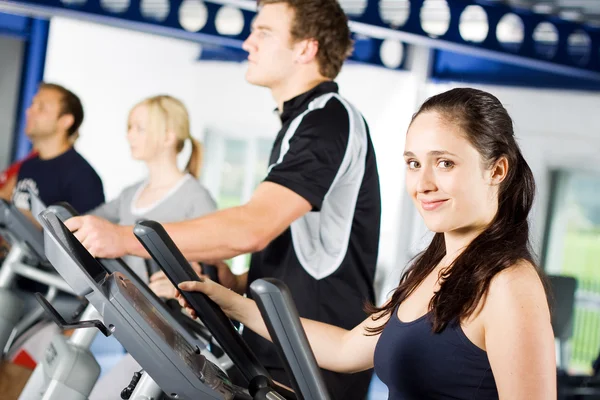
(335,349)
(233,305)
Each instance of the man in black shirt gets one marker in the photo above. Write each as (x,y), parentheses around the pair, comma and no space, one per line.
(57,172)
(314,221)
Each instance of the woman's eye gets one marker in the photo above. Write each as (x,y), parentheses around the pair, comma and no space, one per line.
(413,164)
(445,164)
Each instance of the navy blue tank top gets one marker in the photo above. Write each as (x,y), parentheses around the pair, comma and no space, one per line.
(417,364)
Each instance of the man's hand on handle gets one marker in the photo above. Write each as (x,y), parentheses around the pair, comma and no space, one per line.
(100,237)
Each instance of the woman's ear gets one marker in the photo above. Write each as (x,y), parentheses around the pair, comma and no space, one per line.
(170,138)
(499,171)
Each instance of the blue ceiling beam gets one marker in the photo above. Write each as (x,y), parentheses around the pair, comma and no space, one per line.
(369,23)
(14,25)
(132,18)
(467,69)
(524,54)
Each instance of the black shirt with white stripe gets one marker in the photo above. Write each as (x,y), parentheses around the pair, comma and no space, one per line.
(327,258)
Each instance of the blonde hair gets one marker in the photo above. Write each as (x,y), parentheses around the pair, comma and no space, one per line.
(166,113)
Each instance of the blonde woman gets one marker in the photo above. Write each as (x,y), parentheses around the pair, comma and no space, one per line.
(157,131)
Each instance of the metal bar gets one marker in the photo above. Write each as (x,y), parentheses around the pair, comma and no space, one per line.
(7,272)
(28,320)
(83,338)
(45,278)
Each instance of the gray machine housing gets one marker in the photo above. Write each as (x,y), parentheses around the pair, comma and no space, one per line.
(69,371)
(19,228)
(168,356)
(64,212)
(26,258)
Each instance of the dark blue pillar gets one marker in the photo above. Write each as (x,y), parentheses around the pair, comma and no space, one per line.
(33,73)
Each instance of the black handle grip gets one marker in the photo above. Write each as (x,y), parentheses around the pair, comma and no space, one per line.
(163,250)
(63,210)
(279,312)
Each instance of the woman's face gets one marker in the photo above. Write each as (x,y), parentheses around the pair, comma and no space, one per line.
(142,146)
(446,177)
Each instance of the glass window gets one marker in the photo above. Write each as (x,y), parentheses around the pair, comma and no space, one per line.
(232,173)
(234,167)
(573,249)
(263,153)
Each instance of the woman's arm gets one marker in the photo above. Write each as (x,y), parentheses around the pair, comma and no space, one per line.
(335,349)
(518,335)
(108,211)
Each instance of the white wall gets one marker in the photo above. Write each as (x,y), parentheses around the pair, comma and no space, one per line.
(112,69)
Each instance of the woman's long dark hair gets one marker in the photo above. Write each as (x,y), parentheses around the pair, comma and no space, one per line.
(505,242)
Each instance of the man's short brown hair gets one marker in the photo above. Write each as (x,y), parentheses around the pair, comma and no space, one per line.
(69,105)
(326,22)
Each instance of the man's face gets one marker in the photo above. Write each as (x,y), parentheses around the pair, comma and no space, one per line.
(44,114)
(272,53)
